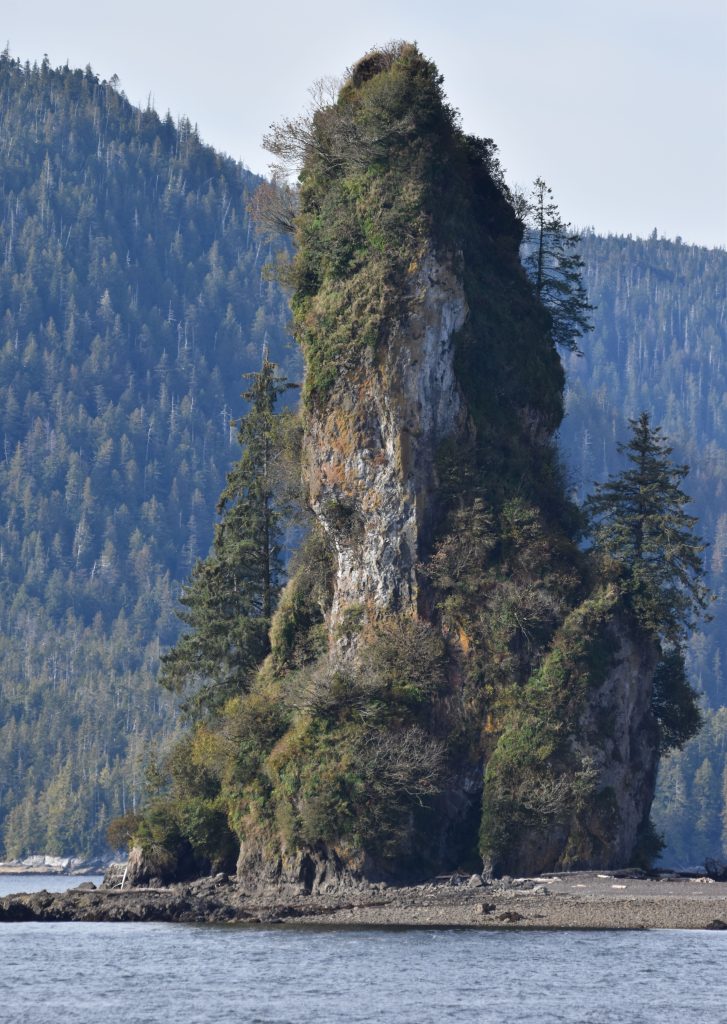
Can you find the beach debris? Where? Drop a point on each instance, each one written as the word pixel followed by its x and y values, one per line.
pixel 511 916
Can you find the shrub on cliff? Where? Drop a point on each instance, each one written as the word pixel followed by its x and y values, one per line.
pixel 537 782
pixel 359 755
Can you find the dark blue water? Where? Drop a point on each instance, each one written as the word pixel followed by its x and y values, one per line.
pixel 144 973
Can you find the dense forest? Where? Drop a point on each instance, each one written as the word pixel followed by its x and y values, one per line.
pixel 132 303
pixel 660 344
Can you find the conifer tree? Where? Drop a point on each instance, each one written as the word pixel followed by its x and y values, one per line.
pixel 641 525
pixel 642 529
pixel 231 595
pixel 555 267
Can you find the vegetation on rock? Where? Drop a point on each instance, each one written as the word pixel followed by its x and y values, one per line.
pixel 130 275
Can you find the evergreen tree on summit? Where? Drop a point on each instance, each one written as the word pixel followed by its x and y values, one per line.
pixel 232 593
pixel 555 268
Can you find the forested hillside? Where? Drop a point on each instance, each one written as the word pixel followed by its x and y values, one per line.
pixel 660 344
pixel 131 304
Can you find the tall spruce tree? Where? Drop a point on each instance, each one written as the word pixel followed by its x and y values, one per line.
pixel 642 530
pixel 555 267
pixel 232 593
pixel 641 526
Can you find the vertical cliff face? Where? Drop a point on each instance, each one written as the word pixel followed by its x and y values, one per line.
pixel 448 679
pixel 370 450
pixel 585 801
pixel 618 734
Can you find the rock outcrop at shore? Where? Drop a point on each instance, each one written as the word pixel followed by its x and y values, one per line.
pixel 459 633
pixel 451 678
pixel 613 749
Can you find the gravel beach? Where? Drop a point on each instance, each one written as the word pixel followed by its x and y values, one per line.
pixel 569 900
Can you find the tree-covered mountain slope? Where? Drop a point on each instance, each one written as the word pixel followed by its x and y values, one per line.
pixel 660 344
pixel 131 303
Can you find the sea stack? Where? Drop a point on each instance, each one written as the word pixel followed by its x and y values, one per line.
pixel 445 659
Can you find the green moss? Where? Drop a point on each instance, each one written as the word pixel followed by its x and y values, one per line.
pixel 351 621
pixel 535 779
pixel 298 635
pixel 393 176
pixel 314 785
pixel 348 756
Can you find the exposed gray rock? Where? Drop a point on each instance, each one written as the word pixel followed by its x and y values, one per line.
pixel 150 868
pixel 625 756
pixel 370 458
pixel 114 875
pixel 315 870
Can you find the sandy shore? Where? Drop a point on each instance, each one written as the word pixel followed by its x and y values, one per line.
pixel 572 900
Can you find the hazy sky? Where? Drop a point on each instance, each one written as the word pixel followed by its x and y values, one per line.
pixel 621 105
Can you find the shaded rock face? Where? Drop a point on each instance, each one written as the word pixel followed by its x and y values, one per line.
pixel 620 736
pixel 616 739
pixel 310 871
pixel 149 868
pixel 370 453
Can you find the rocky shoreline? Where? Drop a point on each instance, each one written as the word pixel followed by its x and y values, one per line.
pixel 46 864
pixel 13 869
pixel 570 900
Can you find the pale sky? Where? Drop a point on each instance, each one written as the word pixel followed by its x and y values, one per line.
pixel 621 105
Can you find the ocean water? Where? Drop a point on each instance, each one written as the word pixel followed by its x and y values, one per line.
pixel 154 973
pixel 52 883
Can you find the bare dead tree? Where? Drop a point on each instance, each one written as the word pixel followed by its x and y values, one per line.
pixel 273 208
pixel 294 139
pixel 407 762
